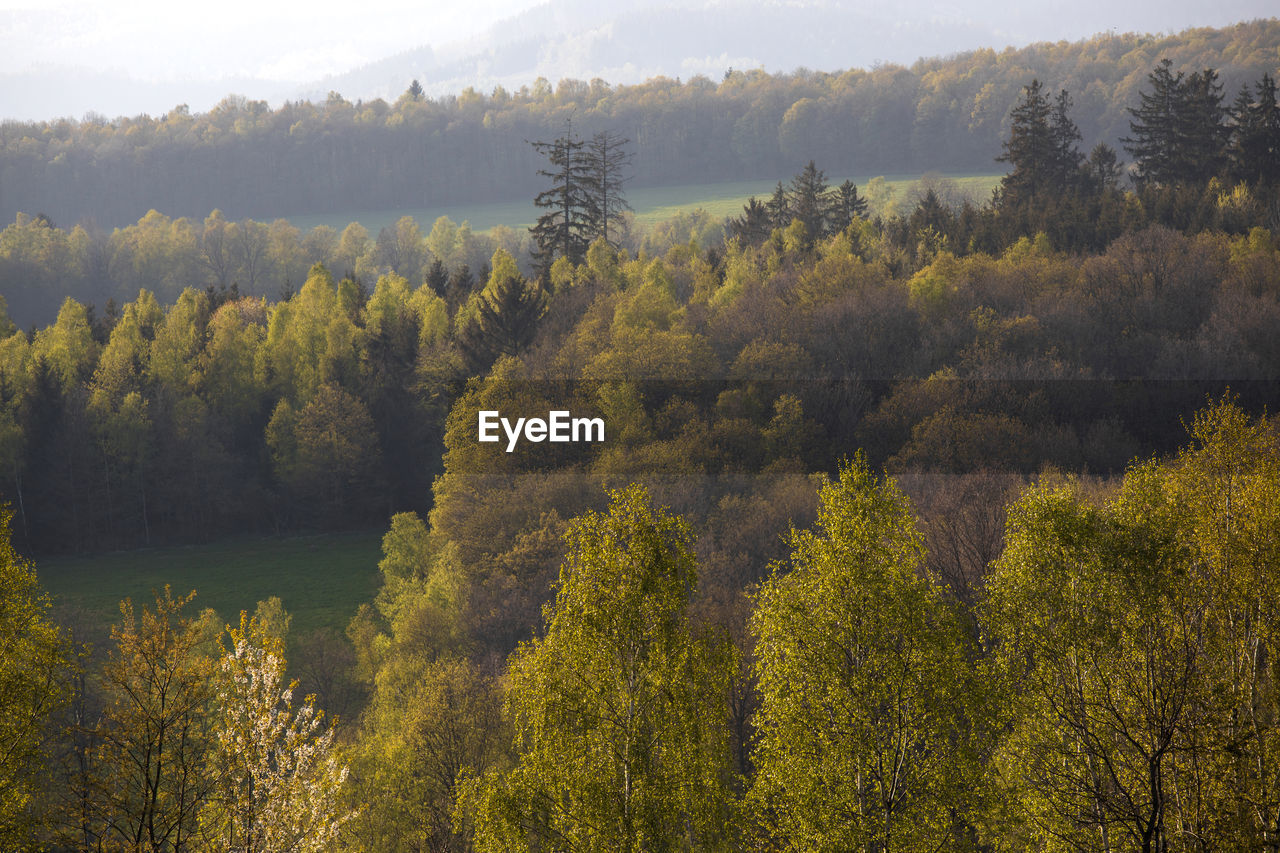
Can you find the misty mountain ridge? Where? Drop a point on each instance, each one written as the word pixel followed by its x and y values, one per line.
pixel 634 40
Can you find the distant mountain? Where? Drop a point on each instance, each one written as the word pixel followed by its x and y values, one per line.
pixel 623 42
pixel 634 40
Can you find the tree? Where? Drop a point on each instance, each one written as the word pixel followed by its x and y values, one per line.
pixel 1178 129
pixel 1223 493
pixel 327 455
pixel 249 242
pixel 620 708
pixel 1103 658
pixel 1041 148
pixel 779 207
pixel 606 157
pixel 151 774
pixel 566 228
pixel 438 278
pixel 33 661
pixel 1255 135
pixel 431 723
pixel 755 224
pixel 809 200
pixel 278 784
pixel 865 728
pixel 845 206
pixel 1103 169
pixel 506 315
pixel 1138 631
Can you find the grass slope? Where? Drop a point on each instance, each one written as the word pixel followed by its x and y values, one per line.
pixel 651 204
pixel 321 579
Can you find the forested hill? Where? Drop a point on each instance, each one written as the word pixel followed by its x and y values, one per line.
pixel 249 160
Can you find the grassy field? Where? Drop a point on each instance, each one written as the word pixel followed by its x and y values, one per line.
pixel 321 579
pixel 651 204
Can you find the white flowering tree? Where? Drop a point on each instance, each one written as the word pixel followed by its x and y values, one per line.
pixel 279 783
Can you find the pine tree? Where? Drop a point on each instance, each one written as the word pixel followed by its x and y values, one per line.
pixel 1178 130
pixel 1255 135
pixel 1041 148
pixel 438 278
pixel 606 157
pixel 506 316
pixel 1203 126
pixel 779 207
pixel 567 227
pixel 809 200
pixel 845 206
pixel 754 225
pixel 1065 136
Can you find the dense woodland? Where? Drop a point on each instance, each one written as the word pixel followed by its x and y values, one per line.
pixel 948 114
pixel 948 530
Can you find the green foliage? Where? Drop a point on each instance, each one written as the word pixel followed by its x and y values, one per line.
pixel 326 455
pixel 33 666
pixel 869 705
pixel 1132 631
pixel 620 707
pixel 505 316
pixel 431 723
pixel 149 779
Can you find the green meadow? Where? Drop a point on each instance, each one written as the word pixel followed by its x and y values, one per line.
pixel 651 204
pixel 321 579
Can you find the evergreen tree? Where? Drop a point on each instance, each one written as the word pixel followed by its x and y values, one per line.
pixel 779 207
pixel 1255 135
pixel 809 200
pixel 1065 136
pixel 1103 169
pixel 1178 130
pixel 461 283
pixel 606 157
pixel 506 315
pixel 845 206
pixel 1041 148
pixel 754 225
pixel 438 278
pixel 566 228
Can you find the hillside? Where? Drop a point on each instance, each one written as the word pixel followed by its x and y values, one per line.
pixel 247 159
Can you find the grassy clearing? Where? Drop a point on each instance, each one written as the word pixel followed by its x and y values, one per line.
pixel 321 579
pixel 651 204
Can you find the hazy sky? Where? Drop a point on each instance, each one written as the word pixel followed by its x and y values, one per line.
pixel 294 41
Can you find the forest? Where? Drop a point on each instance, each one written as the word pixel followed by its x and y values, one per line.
pixel 251 161
pixel 954 529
